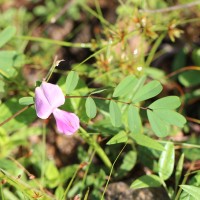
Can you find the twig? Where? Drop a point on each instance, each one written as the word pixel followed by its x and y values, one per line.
pixel 62 11
pixel 15 115
pixel 172 8
pixel 182 70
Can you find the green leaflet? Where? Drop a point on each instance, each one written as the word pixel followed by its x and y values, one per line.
pixel 166 161
pixel 146 141
pixel 192 190
pixel 115 114
pixel 134 120
pixel 125 86
pixel 171 117
pixel 139 84
pixel 148 91
pixel 91 109
pixel 26 101
pixel 159 126
pixel 71 81
pixel 121 137
pixel 146 181
pixel 170 102
pixel 6 35
pixel 129 161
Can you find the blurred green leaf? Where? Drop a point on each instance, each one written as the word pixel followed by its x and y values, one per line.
pixel 121 137
pixel 125 86
pixel 179 169
pixel 159 127
pixel 169 102
pixel 148 91
pixel 134 119
pixel 192 190
pixel 7 59
pixel 115 114
pixel 146 141
pixel 166 161
pixel 59 192
pixel 146 181
pixel 71 81
pixel 171 117
pixel 6 35
pixel 26 101
pixel 129 161
pixel 190 78
pixel 91 109
pixel 51 172
pixel 196 56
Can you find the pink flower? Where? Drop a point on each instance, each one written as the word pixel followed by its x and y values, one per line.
pixel 48 97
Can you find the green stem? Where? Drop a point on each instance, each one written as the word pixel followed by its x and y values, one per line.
pixel 153 50
pixel 111 170
pixel 70 184
pixel 43 153
pixel 57 42
pixel 96 147
pixel 184 181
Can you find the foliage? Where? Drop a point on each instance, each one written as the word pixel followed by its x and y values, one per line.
pixel 132 102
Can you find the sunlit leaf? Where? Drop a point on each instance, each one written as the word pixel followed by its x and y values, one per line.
pixel 146 181
pixel 192 190
pixel 170 102
pixel 146 141
pixel 121 137
pixel 134 120
pixel 171 117
pixel 160 128
pixel 71 81
pixel 148 91
pixel 115 114
pixel 6 35
pixel 26 101
pixel 91 109
pixel 166 161
pixel 125 86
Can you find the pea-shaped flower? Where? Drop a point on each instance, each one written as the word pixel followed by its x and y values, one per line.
pixel 48 97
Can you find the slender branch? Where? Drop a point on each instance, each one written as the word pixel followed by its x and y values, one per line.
pixel 193 120
pixel 109 99
pixel 182 70
pixel 172 8
pixel 15 115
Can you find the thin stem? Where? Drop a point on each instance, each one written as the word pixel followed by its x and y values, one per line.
pixel 57 42
pixel 43 153
pixel 111 170
pixel 172 8
pixel 153 50
pixel 15 115
pixel 70 183
pixel 48 76
pixel 182 70
pixel 109 99
pixel 184 181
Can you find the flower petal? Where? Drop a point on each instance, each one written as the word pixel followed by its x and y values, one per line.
pixel 53 94
pixel 42 106
pixel 67 123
